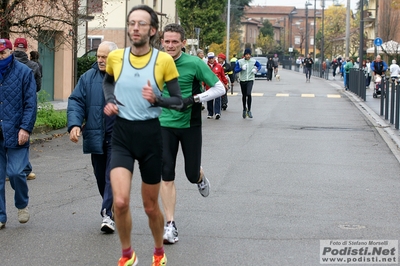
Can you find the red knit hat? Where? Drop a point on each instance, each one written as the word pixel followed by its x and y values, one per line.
pixel 222 56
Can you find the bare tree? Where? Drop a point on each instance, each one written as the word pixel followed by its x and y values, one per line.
pixel 43 20
pixel 390 16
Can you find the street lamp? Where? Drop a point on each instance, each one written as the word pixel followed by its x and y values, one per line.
pixel 293 12
pixel 322 35
pixel 315 28
pixel 228 26
pixel 361 48
pixel 347 28
pixel 307 4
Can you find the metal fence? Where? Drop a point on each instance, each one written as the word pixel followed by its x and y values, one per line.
pixel 357 81
pixel 388 90
pixel 390 100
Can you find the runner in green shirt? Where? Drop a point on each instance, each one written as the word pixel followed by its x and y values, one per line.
pixel 184 127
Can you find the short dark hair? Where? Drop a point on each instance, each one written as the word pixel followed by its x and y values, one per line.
pixel 173 27
pixel 34 55
pixel 153 15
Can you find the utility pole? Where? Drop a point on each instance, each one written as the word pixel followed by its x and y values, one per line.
pixel 307 37
pixel 347 29
pixel 228 11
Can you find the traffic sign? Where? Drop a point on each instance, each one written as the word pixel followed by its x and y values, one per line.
pixel 378 41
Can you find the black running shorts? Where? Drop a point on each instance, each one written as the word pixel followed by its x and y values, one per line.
pixel 141 141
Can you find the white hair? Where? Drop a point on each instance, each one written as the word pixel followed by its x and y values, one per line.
pixel 111 45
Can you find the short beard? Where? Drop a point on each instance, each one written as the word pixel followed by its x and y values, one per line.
pixel 142 42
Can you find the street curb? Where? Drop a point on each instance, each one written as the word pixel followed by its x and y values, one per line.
pixel 37 138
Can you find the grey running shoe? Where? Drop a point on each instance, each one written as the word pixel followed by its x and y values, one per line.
pixel 244 113
pixel 204 185
pixel 249 114
pixel 108 225
pixel 23 215
pixel 170 233
pixel 2 225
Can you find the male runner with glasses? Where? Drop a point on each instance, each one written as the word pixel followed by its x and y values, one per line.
pixel 133 85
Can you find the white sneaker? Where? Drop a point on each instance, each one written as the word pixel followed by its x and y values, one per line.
pixel 23 215
pixel 170 233
pixel 204 185
pixel 108 225
pixel 2 225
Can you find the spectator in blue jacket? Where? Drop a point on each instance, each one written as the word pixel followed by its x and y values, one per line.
pixel 17 118
pixel 378 66
pixel 85 114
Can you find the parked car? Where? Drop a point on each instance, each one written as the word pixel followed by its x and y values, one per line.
pixel 263 71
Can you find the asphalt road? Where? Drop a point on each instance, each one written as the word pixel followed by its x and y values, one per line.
pixel 311 165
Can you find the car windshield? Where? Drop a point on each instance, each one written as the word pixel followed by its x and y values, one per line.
pixel 261 60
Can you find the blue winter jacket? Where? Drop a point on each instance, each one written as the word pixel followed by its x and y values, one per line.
pixel 17 102
pixel 86 110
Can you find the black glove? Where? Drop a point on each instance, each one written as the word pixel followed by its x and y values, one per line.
pixel 187 102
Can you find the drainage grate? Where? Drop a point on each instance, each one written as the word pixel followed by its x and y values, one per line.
pixel 333 129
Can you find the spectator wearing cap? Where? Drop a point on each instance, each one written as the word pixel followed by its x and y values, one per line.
pixel 17 118
pixel 247 67
pixel 229 76
pixel 20 53
pixel 20 49
pixel 214 106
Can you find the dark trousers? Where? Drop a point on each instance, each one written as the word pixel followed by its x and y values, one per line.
pixel 101 168
pixel 190 140
pixel 269 73
pixel 308 72
pixel 214 106
pixel 246 87
pixel 368 80
pixel 347 80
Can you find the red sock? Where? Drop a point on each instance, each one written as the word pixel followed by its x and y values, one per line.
pixel 127 253
pixel 159 251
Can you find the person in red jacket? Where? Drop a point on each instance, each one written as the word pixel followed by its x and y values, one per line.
pixel 214 106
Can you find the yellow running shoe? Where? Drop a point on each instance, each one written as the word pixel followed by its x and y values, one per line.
pixel 159 260
pixel 129 262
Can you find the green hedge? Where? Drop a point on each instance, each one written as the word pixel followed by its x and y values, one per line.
pixel 84 64
pixel 47 116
